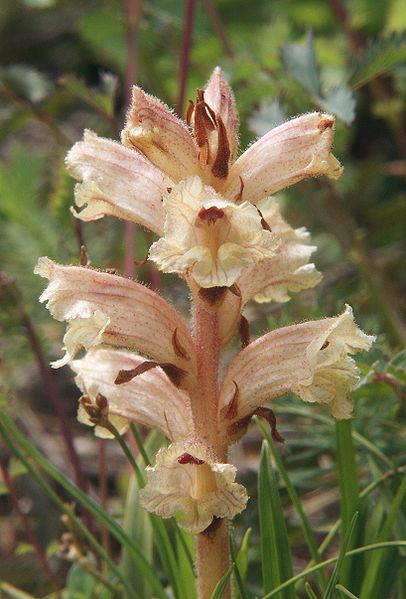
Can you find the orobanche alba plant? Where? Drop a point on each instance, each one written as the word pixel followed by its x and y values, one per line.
pixel 222 232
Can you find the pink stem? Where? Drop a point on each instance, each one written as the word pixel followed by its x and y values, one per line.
pixel 212 554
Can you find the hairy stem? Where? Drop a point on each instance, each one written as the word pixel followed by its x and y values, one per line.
pixel 212 553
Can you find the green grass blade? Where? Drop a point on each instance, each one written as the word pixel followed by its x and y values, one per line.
pixel 137 526
pixel 240 591
pixel 25 448
pixel 275 551
pixel 184 548
pixel 295 499
pixel 345 592
pixel 332 560
pixel 63 507
pixel 374 571
pixel 310 593
pixel 13 592
pixel 329 594
pixel 242 555
pixel 221 585
pixel 357 437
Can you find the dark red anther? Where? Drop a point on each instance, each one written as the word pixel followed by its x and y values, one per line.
pixel 325 345
pixel 187 458
pixel 211 214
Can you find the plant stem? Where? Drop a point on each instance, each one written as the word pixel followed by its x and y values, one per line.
pixel 27 526
pixel 132 10
pixel 212 555
pixel 190 6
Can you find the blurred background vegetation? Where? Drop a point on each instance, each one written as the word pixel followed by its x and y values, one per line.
pixel 66 66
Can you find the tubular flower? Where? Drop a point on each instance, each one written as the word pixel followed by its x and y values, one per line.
pixel 209 237
pixel 218 229
pixel 310 359
pixel 186 480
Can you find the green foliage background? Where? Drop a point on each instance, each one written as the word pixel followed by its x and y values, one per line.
pixel 63 69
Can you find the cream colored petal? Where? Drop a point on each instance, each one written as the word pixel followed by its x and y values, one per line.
pixel 293 151
pixel 208 237
pixel 149 399
pixel 116 181
pixel 219 96
pixel 288 271
pixel 138 318
pixel 155 131
pixel 197 492
pixel 310 359
pixel 82 333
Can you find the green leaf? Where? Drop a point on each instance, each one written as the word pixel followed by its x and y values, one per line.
pixel 378 58
pixel 242 556
pixel 310 593
pixel 376 564
pixel 294 497
pixel 26 82
pixel 21 447
pixel 101 102
pixel 103 30
pixel 340 101
pixel 13 592
pixel 345 591
pixel 329 594
pixel 221 585
pixel 332 560
pixel 24 548
pixel 275 552
pixel 348 481
pixel 138 527
pixel 266 117
pixel 80 581
pixel 299 60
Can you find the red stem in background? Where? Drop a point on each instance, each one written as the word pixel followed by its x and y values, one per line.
pixel 27 526
pixel 52 391
pixel 50 386
pixel 190 6
pixel 132 10
pixel 215 18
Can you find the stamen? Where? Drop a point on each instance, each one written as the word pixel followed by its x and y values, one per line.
pixel 214 296
pixel 189 112
pixel 211 214
pixel 84 259
pixel 124 376
pixel 230 411
pixel 325 124
pixel 325 345
pixel 239 195
pixel 269 416
pixel 178 347
pixel 213 527
pixel 244 331
pixel 187 458
pixel 220 165
pixel 264 224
